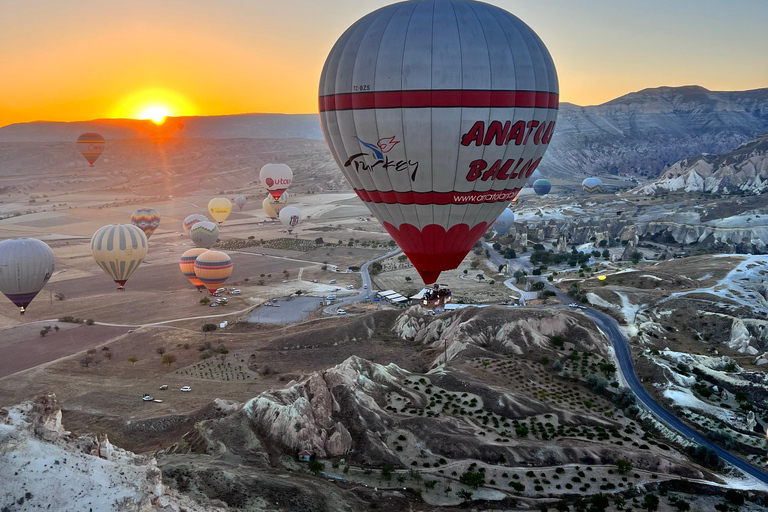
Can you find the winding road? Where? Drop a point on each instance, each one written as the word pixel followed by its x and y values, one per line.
pixel 366 291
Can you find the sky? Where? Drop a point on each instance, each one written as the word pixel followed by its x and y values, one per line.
pixel 87 59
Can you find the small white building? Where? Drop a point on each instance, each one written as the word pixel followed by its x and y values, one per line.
pixel 304 455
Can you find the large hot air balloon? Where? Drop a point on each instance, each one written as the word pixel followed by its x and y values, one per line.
pixel 290 216
pixel 504 222
pixel 187 266
pixel 204 234
pixel 91 145
pixel 219 208
pixel 212 268
pixel 542 187
pixel 437 112
pixel 146 219
pixel 26 264
pixel 272 207
pixel 240 202
pixel 535 176
pixel 276 178
pixel 193 219
pixel 592 185
pixel 119 249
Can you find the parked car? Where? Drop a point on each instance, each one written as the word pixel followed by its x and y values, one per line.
pixel 214 304
pixel 341 312
pixel 219 290
pixel 186 388
pixel 285 280
pixel 350 287
pixel 163 387
pixel 147 398
pixel 235 292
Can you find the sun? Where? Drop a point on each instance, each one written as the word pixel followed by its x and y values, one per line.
pixel 157 113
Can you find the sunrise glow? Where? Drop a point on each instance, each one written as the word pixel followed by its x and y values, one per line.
pixel 156 113
pixel 155 104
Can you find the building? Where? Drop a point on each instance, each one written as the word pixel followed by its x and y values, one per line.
pixel 393 297
pixel 304 455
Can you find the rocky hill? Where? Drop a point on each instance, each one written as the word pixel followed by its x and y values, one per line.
pixel 743 170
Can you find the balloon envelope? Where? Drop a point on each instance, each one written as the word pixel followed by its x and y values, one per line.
pixel 91 145
pixel 276 178
pixel 290 216
pixel 26 264
pixel 146 219
pixel 504 222
pixel 535 176
pixel 212 268
pixel 592 185
pixel 272 207
pixel 204 234
pixel 220 208
pixel 542 187
pixel 240 202
pixel 119 249
pixel 437 112
pixel 192 220
pixel 187 266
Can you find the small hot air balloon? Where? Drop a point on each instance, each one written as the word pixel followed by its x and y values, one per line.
pixel 601 278
pixel 91 145
pixel 272 207
pixel 212 268
pixel 437 112
pixel 204 234
pixel 192 220
pixel 592 185
pixel 240 202
pixel 542 187
pixel 119 249
pixel 290 216
pixel 146 219
pixel 220 208
pixel 26 264
pixel 504 222
pixel 535 176
pixel 277 178
pixel 187 266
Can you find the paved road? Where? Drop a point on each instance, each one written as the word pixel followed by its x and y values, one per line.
pixel 366 291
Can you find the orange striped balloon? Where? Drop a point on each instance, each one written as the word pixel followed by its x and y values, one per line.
pixel 91 145
pixel 212 268
pixel 187 265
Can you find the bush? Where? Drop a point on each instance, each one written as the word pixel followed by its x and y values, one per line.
pixel 160 350
pixel 168 359
pixel 89 321
pixel 315 466
pixel 472 479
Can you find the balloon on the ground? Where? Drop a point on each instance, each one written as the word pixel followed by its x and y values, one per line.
pixel 601 278
pixel 187 266
pixel 437 112
pixel 542 187
pixel 119 249
pixel 240 202
pixel 535 176
pixel 146 219
pixel 91 145
pixel 26 264
pixel 219 208
pixel 273 207
pixel 290 216
pixel 212 268
pixel 592 185
pixel 276 178
pixel 204 234
pixel 193 219
pixel 504 222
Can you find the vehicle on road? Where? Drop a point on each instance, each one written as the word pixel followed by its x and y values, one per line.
pixel 219 290
pixel 332 281
pixel 236 292
pixel 365 287
pixel 214 304
pixel 341 312
pixel 350 287
pixel 163 387
pixel 573 305
pixel 186 388
pixel 330 297
pixel 147 398
pixel 285 280
pixel 130 331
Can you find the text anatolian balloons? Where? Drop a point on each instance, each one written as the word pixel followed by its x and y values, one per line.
pixel 192 220
pixel 146 219
pixel 204 234
pixel 276 178
pixel 26 264
pixel 119 249
pixel 437 112
pixel 212 268
pixel 240 202
pixel 592 185
pixel 220 208
pixel 290 216
pixel 187 266
pixel 91 145
pixel 504 222
pixel 272 207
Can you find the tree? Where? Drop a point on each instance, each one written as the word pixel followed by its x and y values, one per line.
pixel 376 268
pixel 299 292
pixel 407 279
pixel 45 330
pixel 324 267
pixel 319 241
pixel 168 359
pixel 90 321
pixel 464 495
pixel 472 479
pixel 599 502
pixel 734 497
pixel 59 296
pixel 606 254
pixel 636 256
pixel 132 360
pixel 607 369
pixel 206 328
pixel 650 503
pixel 204 301
pixel 624 466
pixel 519 276
pixel 87 361
pixel 315 466
pixel 56 328
pixel 160 350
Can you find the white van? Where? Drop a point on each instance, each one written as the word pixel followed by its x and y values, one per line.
pixel 330 297
pixel 332 281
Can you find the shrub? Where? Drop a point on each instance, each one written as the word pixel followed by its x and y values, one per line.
pixel 472 479
pixel 160 350
pixel 89 321
pixel 168 359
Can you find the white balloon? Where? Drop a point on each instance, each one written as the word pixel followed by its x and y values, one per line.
pixel 276 178
pixel 290 216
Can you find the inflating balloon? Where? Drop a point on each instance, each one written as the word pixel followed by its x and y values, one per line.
pixel 187 266
pixel 192 220
pixel 119 249
pixel 542 187
pixel 204 234
pixel 146 219
pixel 212 268
pixel 26 264
pixel 240 202
pixel 272 207
pixel 220 208
pixel 437 112
pixel 91 145
pixel 290 216
pixel 592 185
pixel 276 178
pixel 504 222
